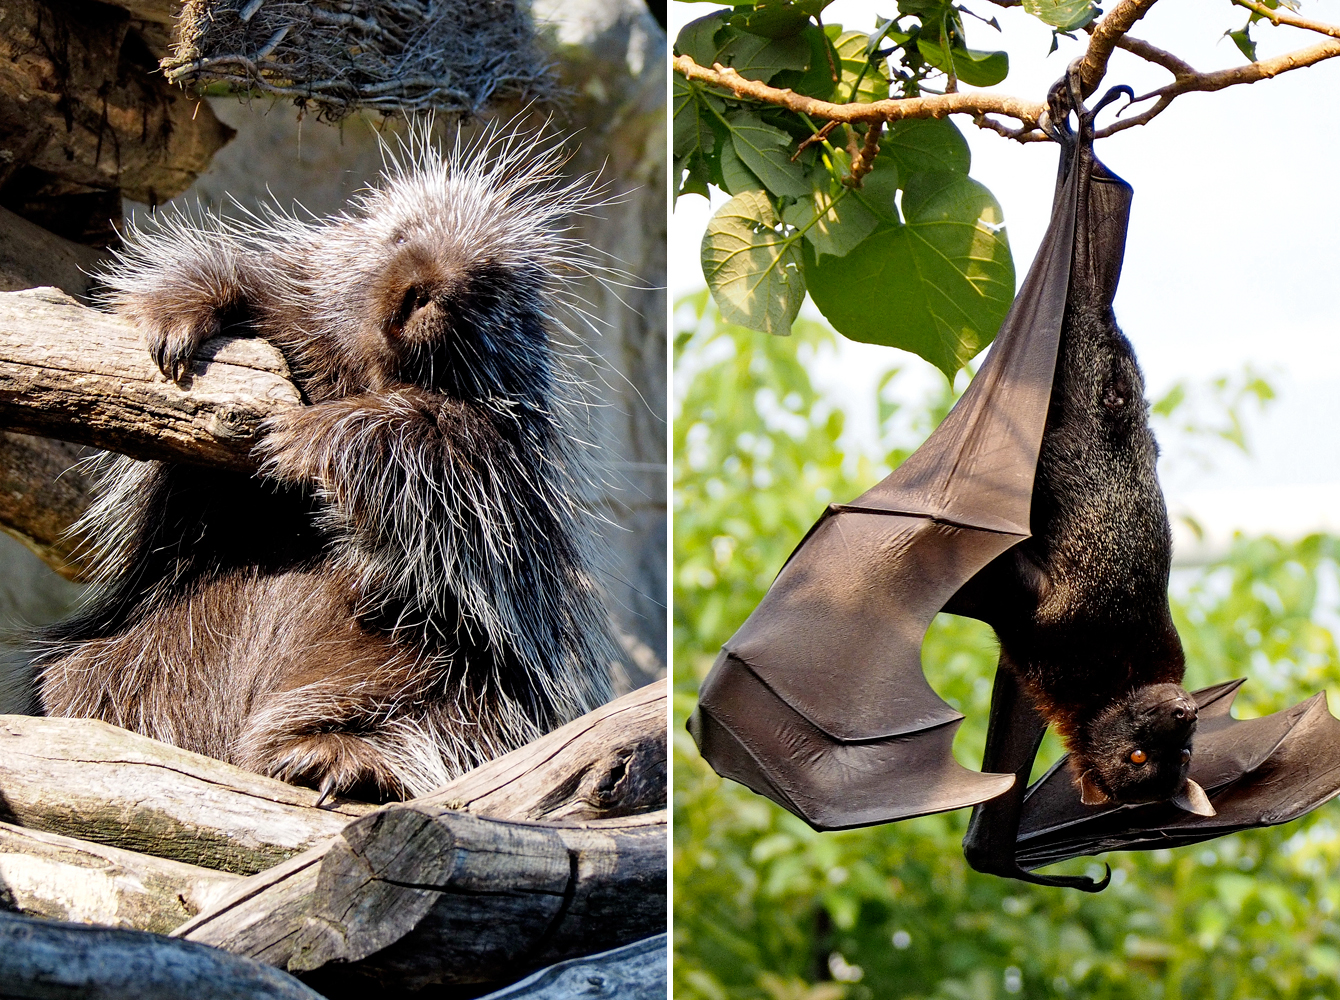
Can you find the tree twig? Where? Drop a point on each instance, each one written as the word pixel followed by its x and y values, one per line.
pixel 1157 56
pixel 1264 69
pixel 1285 16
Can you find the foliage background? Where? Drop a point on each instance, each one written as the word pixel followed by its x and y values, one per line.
pixel 766 908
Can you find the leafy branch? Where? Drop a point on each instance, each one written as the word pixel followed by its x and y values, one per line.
pixel 849 181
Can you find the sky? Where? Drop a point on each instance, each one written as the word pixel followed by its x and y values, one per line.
pixel 1233 255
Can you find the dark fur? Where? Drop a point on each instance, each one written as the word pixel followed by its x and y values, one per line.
pixel 405 592
pixel 1090 633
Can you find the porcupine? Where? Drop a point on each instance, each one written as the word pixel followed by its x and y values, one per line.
pixel 405 589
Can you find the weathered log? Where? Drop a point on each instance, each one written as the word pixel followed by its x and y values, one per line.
pixel 41 493
pixel 634 972
pixel 80 375
pixel 60 878
pixel 83 778
pixel 44 960
pixel 414 896
pixel 609 763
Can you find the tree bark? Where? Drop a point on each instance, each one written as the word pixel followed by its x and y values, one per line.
pixel 416 896
pixel 80 375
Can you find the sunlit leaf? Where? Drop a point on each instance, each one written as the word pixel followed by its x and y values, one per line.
pixel 752 265
pixel 1068 15
pixel 938 286
pixel 874 80
pixel 767 151
pixel 833 221
pixel 970 66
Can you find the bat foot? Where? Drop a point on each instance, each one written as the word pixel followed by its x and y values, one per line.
pixel 1002 868
pixel 1081 882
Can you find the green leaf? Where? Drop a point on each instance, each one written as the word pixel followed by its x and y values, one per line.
pixel 735 176
pixel 878 192
pixel 1243 40
pixel 938 286
pixel 693 107
pixel 759 58
pixel 766 151
pixel 697 39
pixel 817 80
pixel 975 68
pixel 919 145
pixel 1067 15
pixel 690 176
pixel 753 269
pixel 833 220
pixel 851 48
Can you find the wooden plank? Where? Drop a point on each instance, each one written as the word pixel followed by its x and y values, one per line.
pixel 87 779
pixel 80 375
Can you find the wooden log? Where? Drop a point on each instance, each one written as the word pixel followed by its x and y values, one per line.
pixel 410 896
pixel 634 972
pixel 61 878
pixel 80 375
pixel 87 779
pixel 608 763
pixel 42 960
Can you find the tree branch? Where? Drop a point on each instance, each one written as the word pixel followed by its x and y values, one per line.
pixel 1107 35
pixel 1155 55
pixel 1264 69
pixel 1285 16
pixel 892 110
pixel 80 375
pixel 1107 32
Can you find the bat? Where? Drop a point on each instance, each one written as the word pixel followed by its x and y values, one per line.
pixel 819 701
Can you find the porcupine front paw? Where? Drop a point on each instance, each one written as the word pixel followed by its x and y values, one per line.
pixel 334 764
pixel 173 340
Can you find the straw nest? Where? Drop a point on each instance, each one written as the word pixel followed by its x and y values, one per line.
pixel 451 56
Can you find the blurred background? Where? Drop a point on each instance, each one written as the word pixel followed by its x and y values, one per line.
pixel 1228 295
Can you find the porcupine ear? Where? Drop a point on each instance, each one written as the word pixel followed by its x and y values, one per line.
pixel 1193 799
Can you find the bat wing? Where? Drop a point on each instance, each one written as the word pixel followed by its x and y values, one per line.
pixel 819 701
pixel 1257 772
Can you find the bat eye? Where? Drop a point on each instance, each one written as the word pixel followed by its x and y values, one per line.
pixel 1138 757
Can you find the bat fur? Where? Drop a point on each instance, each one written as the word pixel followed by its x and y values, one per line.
pixel 1089 632
pixel 405 590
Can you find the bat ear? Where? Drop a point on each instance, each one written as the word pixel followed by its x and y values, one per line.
pixel 1193 799
pixel 1089 792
